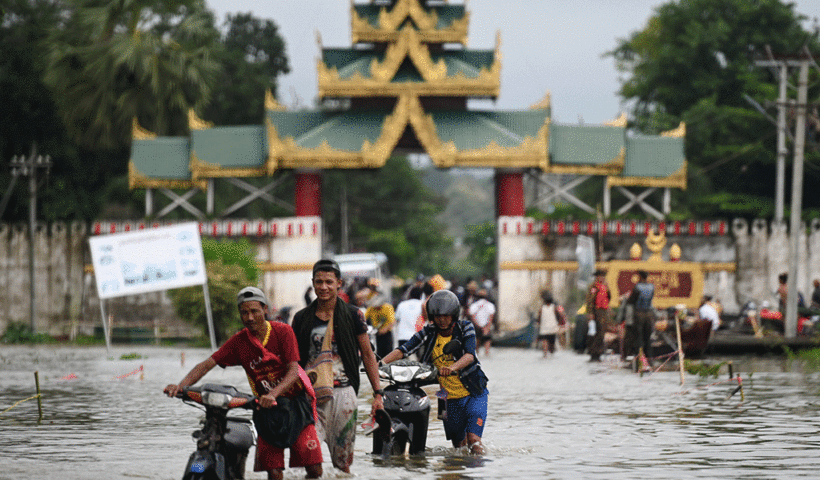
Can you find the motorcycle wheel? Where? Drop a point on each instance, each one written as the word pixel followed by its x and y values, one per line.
pixel 398 443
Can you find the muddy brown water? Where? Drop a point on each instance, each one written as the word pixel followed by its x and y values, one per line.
pixel 560 418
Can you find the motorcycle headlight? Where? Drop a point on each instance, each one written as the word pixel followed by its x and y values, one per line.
pixel 424 375
pixel 404 374
pixel 216 399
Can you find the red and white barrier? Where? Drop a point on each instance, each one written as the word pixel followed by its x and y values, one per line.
pixel 280 227
pixel 633 228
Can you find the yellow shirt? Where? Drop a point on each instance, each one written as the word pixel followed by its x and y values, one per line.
pixel 451 383
pixel 380 317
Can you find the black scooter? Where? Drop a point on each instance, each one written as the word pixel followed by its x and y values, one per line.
pixel 403 423
pixel 223 442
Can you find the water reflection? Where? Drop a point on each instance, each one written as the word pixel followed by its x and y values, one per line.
pixel 557 418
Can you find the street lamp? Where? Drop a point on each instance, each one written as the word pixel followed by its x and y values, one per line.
pixel 27 167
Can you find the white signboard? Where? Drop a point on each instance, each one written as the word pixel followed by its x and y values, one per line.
pixel 147 260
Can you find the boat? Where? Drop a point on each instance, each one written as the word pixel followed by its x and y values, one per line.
pixel 521 337
pixel 694 332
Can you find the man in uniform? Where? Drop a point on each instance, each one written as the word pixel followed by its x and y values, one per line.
pixel 597 302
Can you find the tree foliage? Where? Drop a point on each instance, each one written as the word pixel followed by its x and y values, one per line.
pixel 481 241
pixel 252 56
pixel 74 73
pixel 389 210
pixel 113 61
pixel 694 63
pixel 231 266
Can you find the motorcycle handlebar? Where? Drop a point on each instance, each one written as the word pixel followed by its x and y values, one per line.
pixel 195 394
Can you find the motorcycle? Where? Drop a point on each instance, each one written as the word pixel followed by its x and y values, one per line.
pixel 223 442
pixel 402 425
pixel 759 320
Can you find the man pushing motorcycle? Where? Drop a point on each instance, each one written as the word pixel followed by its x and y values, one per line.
pixel 270 356
pixel 460 374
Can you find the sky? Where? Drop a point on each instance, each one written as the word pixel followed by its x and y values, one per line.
pixel 554 46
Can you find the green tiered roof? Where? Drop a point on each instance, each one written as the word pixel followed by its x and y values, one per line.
pixel 435 23
pixel 407 92
pixel 445 15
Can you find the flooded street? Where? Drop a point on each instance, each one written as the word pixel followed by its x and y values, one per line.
pixel 561 418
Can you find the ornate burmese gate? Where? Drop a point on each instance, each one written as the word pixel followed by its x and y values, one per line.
pixel 404 89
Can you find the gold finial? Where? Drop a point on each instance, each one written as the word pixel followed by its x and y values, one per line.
pixel 544 103
pixel 655 241
pixel 196 123
pixel 271 103
pixel 635 251
pixel 674 252
pixel 678 132
pixel 139 133
pixel 618 122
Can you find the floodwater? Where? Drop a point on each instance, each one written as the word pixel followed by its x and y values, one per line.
pixel 559 418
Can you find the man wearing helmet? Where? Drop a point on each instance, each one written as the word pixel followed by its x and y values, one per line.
pixel 460 373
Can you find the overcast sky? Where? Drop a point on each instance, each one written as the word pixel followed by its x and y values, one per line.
pixel 546 45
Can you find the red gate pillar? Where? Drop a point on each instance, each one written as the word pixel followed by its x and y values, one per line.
pixel 509 191
pixel 308 194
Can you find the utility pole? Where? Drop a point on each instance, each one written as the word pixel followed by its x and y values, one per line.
pixel 797 198
pixel 782 100
pixel 781 145
pixel 27 167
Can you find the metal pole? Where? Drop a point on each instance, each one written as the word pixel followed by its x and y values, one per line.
pixel 210 315
pixel 797 198
pixel 32 218
pixel 781 145
pixel 209 206
pixel 105 327
pixel 149 202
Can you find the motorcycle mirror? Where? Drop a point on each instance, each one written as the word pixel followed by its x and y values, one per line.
pixel 451 347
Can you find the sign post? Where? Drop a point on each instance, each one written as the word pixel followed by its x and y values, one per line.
pixel 145 261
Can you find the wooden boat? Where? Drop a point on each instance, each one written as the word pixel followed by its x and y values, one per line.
pixel 694 332
pixel 522 337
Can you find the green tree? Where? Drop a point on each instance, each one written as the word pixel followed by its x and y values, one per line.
pixel 116 60
pixel 481 239
pixel 29 115
pixel 231 266
pixel 389 210
pixel 252 57
pixel 694 62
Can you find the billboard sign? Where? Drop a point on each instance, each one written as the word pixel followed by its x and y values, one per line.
pixel 148 260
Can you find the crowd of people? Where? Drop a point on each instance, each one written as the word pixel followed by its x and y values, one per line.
pixel 314 361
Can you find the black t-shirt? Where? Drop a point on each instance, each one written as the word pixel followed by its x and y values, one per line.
pixel 317 336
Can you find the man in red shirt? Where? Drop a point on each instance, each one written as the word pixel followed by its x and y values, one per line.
pixel 269 354
pixel 597 303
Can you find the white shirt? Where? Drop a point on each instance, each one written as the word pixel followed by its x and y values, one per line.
pixel 708 312
pixel 407 312
pixel 549 320
pixel 481 310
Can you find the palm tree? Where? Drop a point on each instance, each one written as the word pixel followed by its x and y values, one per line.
pixel 116 60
